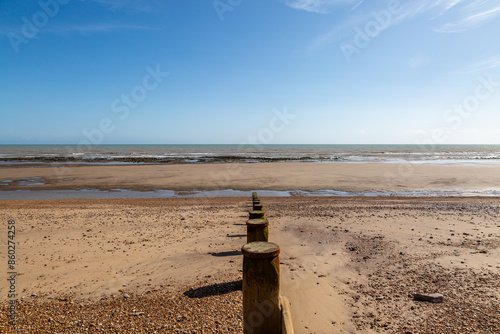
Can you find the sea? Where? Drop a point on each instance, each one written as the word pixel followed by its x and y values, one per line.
pixel 39 155
pixel 172 154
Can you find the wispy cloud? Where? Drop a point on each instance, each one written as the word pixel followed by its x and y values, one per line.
pixel 423 7
pixel 336 34
pixel 451 3
pixel 357 5
pixel 344 29
pixel 457 15
pixel 483 65
pixel 471 15
pixel 316 6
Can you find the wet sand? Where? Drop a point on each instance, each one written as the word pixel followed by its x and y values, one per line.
pixel 173 265
pixel 285 176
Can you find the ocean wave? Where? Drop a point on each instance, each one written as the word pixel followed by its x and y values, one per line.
pixel 171 154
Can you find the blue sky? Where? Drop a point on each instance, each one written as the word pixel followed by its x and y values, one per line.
pixel 207 72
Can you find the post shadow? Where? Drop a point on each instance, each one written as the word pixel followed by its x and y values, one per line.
pixel 214 289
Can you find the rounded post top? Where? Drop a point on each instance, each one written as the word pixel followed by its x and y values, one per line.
pixel 260 250
pixel 255 214
pixel 258 222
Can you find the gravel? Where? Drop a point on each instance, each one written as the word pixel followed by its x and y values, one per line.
pixel 214 308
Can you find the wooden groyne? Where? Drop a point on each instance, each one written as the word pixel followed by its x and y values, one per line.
pixel 265 311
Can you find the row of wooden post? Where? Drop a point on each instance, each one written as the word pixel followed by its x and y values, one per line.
pixel 261 276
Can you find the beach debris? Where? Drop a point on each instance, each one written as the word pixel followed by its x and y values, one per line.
pixel 432 298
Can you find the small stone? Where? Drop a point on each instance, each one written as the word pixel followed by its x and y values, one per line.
pixel 137 313
pixel 432 298
pixel 126 296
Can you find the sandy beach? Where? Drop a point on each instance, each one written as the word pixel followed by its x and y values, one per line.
pixel 136 134
pixel 173 265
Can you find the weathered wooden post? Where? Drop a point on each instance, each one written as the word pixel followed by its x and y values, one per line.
pixel 261 288
pixel 255 199
pixel 257 214
pixel 257 230
pixel 257 206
